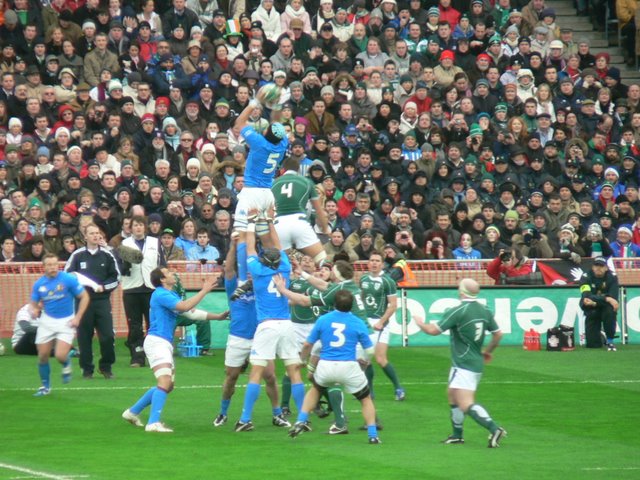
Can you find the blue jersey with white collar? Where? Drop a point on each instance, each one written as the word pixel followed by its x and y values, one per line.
pixel 263 159
pixel 270 304
pixel 57 294
pixel 244 319
pixel 340 333
pixel 163 314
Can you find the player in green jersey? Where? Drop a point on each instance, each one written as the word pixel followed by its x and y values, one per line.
pixel 467 324
pixel 381 301
pixel 302 317
pixel 324 296
pixel 292 193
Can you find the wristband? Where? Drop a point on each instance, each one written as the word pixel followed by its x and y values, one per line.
pixel 310 368
pixel 255 103
pixel 305 275
pixel 251 227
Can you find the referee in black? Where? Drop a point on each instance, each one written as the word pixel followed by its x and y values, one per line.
pixel 101 269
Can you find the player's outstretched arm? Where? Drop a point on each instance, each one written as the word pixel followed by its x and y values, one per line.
pixel 306 350
pixel 294 298
pixel 315 282
pixel 243 118
pixel 230 260
pixel 428 328
pixel 190 303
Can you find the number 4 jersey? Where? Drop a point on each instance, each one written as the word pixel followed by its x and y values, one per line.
pixel 292 192
pixel 468 323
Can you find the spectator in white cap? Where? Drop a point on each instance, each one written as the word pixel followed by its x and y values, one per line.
pixel 623 246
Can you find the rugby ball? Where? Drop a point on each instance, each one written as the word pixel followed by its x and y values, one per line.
pixel 270 94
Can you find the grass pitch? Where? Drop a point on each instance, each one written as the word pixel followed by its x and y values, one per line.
pixel 568 415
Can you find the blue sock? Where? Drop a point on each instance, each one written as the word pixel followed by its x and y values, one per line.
pixel 224 406
pixel 277 411
pixel 303 416
pixel 297 392
pixel 250 397
pixel 158 400
pixel 242 261
pixel 45 373
pixel 372 430
pixel 143 402
pixel 609 340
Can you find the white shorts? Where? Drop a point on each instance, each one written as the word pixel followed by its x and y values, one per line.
pixel 302 331
pixel 248 199
pixel 50 329
pixel 295 230
pixel 237 351
pixel 380 336
pixel 347 374
pixel 274 338
pixel 464 379
pixel 158 351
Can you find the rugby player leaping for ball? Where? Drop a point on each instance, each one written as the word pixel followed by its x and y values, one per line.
pixel 266 151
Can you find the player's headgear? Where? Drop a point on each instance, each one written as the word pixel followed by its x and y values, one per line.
pixel 275 133
pixel 270 257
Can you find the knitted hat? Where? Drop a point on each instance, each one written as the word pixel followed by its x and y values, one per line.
pixel 511 215
pixel 475 130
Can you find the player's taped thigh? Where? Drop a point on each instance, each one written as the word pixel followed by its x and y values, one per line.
pixel 258 362
pixel 362 394
pixel 262 228
pixel 195 314
pixel 291 361
pixel 164 371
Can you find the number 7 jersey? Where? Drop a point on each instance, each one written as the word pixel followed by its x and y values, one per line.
pixel 264 157
pixel 468 323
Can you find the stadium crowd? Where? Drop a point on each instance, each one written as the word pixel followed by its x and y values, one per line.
pixel 441 129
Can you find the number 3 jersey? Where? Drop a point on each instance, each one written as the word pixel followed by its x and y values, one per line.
pixel 264 157
pixel 340 333
pixel 468 323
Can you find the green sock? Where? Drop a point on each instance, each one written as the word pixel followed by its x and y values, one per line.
pixel 457 419
pixel 286 391
pixel 393 376
pixel 369 374
pixel 336 401
pixel 480 415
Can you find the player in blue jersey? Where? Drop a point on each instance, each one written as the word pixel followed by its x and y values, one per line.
pixel 54 295
pixel 266 151
pixel 340 332
pixel 166 304
pixel 242 328
pixel 275 335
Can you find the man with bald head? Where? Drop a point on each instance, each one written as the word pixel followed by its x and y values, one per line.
pixel 468 323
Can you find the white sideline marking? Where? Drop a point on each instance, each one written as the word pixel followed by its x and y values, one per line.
pixel 37 473
pixel 606 469
pixel 202 387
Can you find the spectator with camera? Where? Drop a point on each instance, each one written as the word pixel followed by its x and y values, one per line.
pixel 511 267
pixel 594 243
pixel 436 247
pixel 532 243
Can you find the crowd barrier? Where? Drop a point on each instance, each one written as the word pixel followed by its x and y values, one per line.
pixel 517 308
